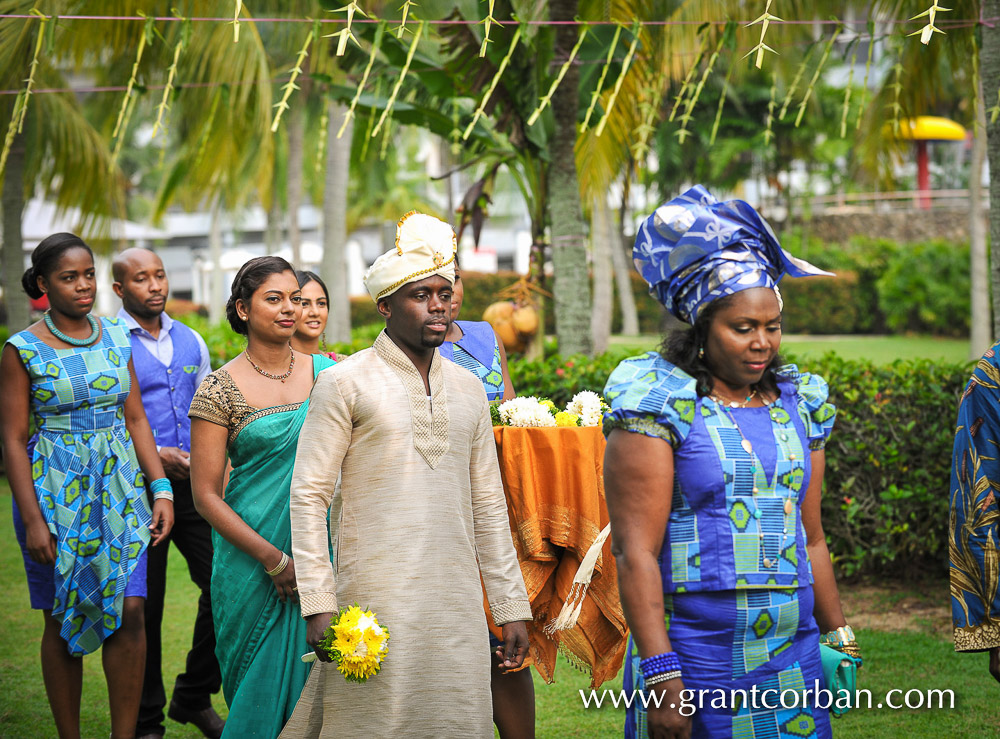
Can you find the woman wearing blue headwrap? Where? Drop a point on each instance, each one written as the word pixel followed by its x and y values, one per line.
pixel 713 475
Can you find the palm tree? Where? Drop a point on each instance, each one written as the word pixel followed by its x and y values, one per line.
pixel 942 61
pixel 58 152
pixel 223 147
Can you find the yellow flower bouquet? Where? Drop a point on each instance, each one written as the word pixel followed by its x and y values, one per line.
pixel 356 642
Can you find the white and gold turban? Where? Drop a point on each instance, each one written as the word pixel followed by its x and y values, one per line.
pixel 425 246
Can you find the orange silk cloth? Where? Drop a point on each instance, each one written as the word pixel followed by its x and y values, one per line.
pixel 553 479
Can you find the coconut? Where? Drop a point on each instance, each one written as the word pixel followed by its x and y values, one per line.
pixel 509 336
pixel 499 312
pixel 525 320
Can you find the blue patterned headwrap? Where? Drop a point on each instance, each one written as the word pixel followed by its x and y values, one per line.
pixel 694 249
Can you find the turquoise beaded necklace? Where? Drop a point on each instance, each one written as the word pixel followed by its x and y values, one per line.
pixel 94 332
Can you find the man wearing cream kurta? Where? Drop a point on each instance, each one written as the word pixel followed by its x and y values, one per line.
pixel 419 514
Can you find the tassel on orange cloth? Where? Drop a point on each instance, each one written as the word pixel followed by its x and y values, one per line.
pixel 553 480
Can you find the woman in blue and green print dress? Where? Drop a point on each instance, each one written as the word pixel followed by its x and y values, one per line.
pixel 713 475
pixel 81 513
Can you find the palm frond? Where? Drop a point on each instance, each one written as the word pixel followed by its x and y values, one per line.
pixel 73 163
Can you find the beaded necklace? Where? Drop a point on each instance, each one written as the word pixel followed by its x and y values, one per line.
pixel 754 460
pixel 284 376
pixel 95 331
pixel 735 403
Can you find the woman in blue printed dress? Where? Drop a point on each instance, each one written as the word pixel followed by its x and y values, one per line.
pixel 80 508
pixel 713 475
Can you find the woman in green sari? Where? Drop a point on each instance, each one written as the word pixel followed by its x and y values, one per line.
pixel 251 410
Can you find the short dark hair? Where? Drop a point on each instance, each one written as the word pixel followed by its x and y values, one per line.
pixel 45 260
pixel 251 276
pixel 682 348
pixel 304 277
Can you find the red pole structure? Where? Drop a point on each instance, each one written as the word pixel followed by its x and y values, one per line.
pixel 923 176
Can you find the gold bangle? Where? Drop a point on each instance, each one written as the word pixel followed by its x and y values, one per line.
pixel 838 637
pixel 280 567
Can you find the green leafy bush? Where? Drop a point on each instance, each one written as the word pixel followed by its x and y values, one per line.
pixel 885 508
pixel 826 305
pixel 925 289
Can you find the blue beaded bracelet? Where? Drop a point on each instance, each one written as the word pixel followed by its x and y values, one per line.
pixel 659 663
pixel 161 489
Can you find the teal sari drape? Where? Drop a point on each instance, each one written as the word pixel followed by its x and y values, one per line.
pixel 259 639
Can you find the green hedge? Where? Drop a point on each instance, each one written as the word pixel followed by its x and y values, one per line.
pixel 915 287
pixel 889 464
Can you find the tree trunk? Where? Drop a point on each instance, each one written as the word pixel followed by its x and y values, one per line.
pixel 536 274
pixel 989 65
pixel 623 272
pixel 338 164
pixel 979 334
pixel 18 315
pixel 296 136
pixel 217 300
pixel 272 229
pixel 603 241
pixel 571 283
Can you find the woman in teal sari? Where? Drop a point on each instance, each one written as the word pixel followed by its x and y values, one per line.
pixel 251 410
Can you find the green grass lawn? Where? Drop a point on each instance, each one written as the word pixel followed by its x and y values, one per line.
pixel 893 660
pixel 877 349
pixel 24 709
pixel 921 660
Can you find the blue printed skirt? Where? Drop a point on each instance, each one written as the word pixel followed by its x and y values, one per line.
pixel 734 640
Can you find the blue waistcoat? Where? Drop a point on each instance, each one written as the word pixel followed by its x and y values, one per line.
pixel 167 390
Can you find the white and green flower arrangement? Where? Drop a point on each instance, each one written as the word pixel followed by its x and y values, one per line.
pixel 585 409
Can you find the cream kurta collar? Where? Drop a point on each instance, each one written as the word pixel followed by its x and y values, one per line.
pixel 430 430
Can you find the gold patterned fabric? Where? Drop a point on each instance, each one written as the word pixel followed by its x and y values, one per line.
pixel 220 401
pixel 425 246
pixel 418 515
pixel 430 430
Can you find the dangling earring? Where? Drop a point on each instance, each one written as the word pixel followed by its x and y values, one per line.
pixel 322 341
pixel 701 353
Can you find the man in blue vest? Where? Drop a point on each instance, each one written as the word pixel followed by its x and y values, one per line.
pixel 170 362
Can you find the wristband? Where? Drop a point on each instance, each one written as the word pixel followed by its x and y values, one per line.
pixel 659 663
pixel 661 678
pixel 162 489
pixel 838 637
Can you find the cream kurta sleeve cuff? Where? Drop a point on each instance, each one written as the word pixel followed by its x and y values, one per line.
pixel 511 610
pixel 313 603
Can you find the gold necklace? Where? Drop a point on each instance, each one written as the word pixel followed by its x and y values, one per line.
pixel 284 376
